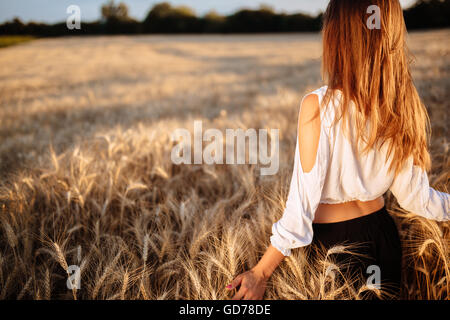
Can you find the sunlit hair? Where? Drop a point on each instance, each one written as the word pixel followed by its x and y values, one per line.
pixel 370 67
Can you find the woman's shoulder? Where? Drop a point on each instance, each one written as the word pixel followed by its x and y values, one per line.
pixel 320 92
pixel 327 109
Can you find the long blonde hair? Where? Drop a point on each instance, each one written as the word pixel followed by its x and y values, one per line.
pixel 371 68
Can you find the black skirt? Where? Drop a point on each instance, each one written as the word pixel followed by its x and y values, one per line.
pixel 378 250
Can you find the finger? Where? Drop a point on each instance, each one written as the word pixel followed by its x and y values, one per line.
pixel 248 297
pixel 235 282
pixel 239 294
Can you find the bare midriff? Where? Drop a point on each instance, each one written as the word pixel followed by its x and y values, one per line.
pixel 329 213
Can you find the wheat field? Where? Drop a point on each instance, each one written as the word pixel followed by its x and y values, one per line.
pixel 87 178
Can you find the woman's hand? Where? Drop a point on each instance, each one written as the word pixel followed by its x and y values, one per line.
pixel 253 282
pixel 252 285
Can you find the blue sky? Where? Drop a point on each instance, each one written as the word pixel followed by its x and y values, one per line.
pixel 55 10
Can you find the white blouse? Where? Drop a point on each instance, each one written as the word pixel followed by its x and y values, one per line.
pixel 338 175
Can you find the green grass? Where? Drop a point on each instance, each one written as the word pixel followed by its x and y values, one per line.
pixel 6 41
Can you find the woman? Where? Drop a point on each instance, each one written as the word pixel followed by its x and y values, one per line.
pixel 364 133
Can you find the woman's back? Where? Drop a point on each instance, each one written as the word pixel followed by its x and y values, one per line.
pixel 354 183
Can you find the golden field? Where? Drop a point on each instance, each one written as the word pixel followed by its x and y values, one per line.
pixel 87 178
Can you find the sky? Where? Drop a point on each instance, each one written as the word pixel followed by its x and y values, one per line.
pixel 51 11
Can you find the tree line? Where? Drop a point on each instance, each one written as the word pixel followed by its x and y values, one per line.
pixel 164 18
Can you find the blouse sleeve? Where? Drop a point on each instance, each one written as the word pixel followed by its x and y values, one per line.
pixel 294 229
pixel 412 190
